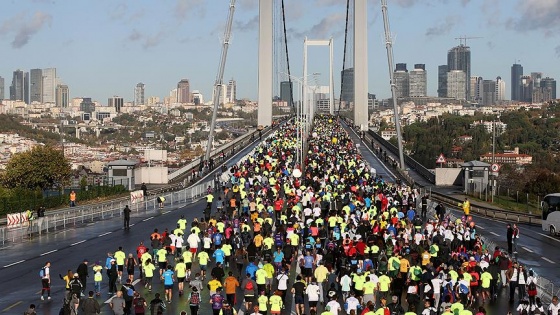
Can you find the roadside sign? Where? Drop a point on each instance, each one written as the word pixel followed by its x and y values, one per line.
pixel 495 168
pixel 441 159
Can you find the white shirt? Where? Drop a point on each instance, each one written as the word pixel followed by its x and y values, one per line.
pixel 282 281
pixel 335 306
pixel 193 240
pixel 312 292
pixel 554 309
pixel 207 242
pixel 352 304
pixel 436 284
pixel 345 283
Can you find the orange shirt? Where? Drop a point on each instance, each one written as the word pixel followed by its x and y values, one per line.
pixel 231 284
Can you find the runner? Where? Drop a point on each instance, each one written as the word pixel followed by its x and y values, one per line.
pixel 45 274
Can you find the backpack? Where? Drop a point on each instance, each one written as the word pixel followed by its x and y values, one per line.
pixel 524 311
pixel 417 272
pixel 532 286
pixel 387 311
pixel 195 298
pixel 396 264
pixel 42 272
pixel 432 249
pixel 139 302
pixel 129 290
pixel 249 286
pixel 433 311
pixel 463 288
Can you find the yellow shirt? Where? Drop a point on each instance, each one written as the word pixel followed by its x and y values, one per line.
pixel 181 270
pixel 263 302
pixel 275 302
pixel 384 283
pixel 203 258
pixel 369 287
pixel 321 273
pixel 260 276
pixel 404 265
pixel 120 256
pixel 214 284
pixel 187 256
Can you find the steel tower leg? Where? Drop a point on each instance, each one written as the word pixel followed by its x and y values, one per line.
pixel 265 62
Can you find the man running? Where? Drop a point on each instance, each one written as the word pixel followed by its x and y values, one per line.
pixel 46 281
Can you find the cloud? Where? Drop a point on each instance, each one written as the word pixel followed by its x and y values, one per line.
pixel 24 27
pixel 557 50
pixel 119 11
pixel 154 40
pixel 246 5
pixel 186 8
pixel 537 15
pixel 247 25
pixel 332 25
pixel 490 44
pixel 444 27
pixel 465 2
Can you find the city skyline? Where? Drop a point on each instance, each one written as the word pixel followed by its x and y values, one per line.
pixel 43 34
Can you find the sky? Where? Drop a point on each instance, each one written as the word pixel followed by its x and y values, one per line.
pixel 103 48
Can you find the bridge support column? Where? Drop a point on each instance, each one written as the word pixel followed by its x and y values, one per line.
pixel 265 62
pixel 361 116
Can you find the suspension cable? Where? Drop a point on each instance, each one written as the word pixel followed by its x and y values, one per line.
pixel 343 57
pixel 287 56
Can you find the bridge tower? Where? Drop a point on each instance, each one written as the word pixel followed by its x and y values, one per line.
pixel 265 62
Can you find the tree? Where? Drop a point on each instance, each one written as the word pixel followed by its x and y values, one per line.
pixel 41 167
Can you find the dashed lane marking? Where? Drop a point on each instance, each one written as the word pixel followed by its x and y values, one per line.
pixel 15 263
pixel 166 212
pixel 550 261
pixel 11 306
pixel 49 252
pixel 80 242
pixel 146 219
pixel 550 237
pixel 480 227
pixel 494 233
pixel 525 248
pixel 104 234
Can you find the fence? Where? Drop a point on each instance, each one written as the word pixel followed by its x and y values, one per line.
pixel 71 217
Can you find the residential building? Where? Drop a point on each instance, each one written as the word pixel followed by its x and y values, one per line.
pixel 197 97
pixel 87 106
pixel 418 81
pixel 139 94
pixel 387 134
pixel 513 157
pixel 62 96
pixel 116 102
pixel 36 85
pixel 49 85
pixel 442 80
pixel 516 74
pixel 459 58
pixel 183 92
pixel 488 92
pixel 456 81
pixel 231 91
pixel 500 89
pixel 401 79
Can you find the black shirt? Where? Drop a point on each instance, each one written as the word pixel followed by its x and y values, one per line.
pixel 299 288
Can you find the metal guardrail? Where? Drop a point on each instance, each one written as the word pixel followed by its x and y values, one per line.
pixel 71 217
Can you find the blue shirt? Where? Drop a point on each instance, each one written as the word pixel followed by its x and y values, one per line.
pixel 217 239
pixel 278 257
pixel 168 277
pixel 219 254
pixel 251 269
pixel 308 261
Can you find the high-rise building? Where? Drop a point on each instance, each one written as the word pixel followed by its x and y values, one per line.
pixel 286 90
pixel 17 87
pixel 488 92
pixel 546 84
pixel 183 91
pixel 442 81
pixel 26 88
pixel 36 85
pixel 526 87
pixel 62 95
pixel 231 91
pixel 459 58
pixel 49 85
pixel 400 76
pixel 418 81
pixel 347 91
pixel 139 94
pixel 536 79
pixel 2 87
pixel 500 89
pixel 198 98
pixel 516 74
pixel 456 81
pixel 476 89
pixel 87 106
pixel 116 102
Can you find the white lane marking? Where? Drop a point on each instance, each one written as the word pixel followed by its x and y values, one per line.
pixel 80 242
pixel 550 261
pixel 135 281
pixel 550 237
pixel 109 300
pixel 494 233
pixel 132 224
pixel 525 248
pixel 104 234
pixel 17 262
pixel 49 252
pixel 146 219
pixel 480 227
pixel 166 212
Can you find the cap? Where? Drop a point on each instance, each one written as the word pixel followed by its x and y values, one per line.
pixel 112 260
pixel 76 275
pixel 85 260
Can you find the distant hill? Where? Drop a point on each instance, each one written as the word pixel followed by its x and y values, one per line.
pixel 13 124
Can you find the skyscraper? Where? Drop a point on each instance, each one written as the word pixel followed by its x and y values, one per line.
pixel 516 74
pixel 442 81
pixel 2 86
pixel 347 91
pixel 546 84
pixel 117 102
pixel 231 91
pixel 36 85
pixel 286 91
pixel 183 91
pixel 400 76
pixel 476 89
pixel 49 85
pixel 526 87
pixel 62 95
pixel 488 92
pixel 87 106
pixel 17 87
pixel 139 94
pixel 459 58
pixel 418 81
pixel 456 81
pixel 26 88
pixel 500 89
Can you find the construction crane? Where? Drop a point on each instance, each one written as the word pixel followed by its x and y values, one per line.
pixel 219 79
pixel 389 46
pixel 463 39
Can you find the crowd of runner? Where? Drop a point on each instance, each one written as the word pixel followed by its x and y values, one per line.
pixel 327 236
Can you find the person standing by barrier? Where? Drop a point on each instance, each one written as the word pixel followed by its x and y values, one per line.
pixel 144 189
pixel 72 199
pixel 515 238
pixel 126 215
pixel 509 236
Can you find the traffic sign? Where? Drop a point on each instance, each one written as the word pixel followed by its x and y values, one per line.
pixel 495 168
pixel 441 159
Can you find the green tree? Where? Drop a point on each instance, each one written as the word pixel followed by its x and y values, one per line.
pixel 41 167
